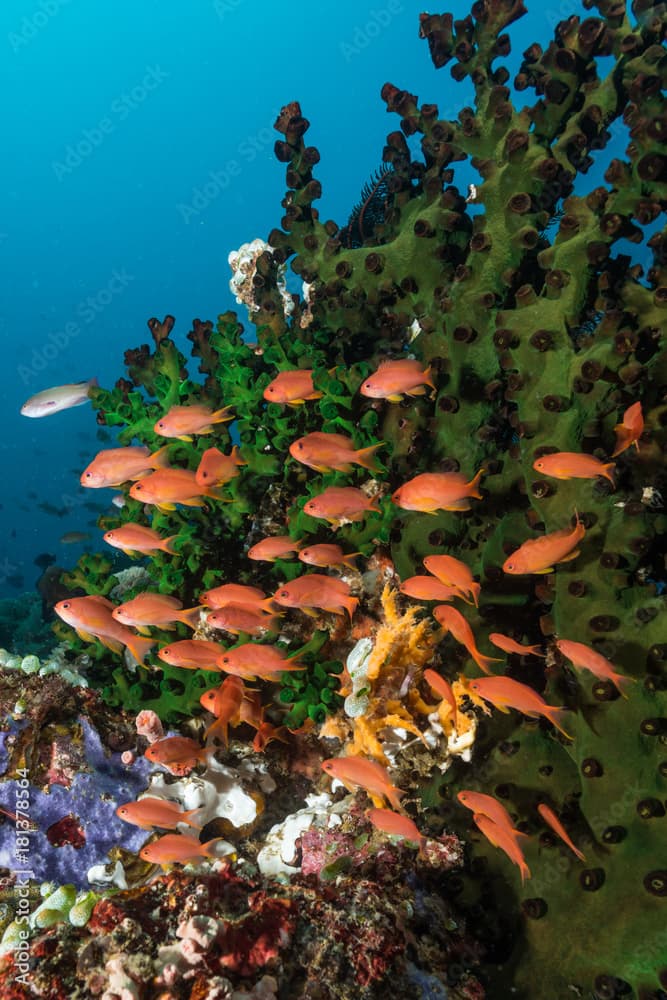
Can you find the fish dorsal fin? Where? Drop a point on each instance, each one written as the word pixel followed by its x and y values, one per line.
pixel 102 601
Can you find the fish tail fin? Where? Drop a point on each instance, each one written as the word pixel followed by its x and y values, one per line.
pixel 220 416
pixel 623 683
pixel 484 662
pixel 214 493
pixel 235 454
pixel 206 848
pixel 160 459
pixel 351 604
pixel 607 472
pixel 269 606
pixel 393 796
pixel 473 485
pixel 428 378
pixel 558 717
pixel 190 616
pixel 475 590
pixel 93 383
pixel 364 457
pixel 220 729
pixel 349 560
pixel 140 648
pixel 168 545
pixel 525 871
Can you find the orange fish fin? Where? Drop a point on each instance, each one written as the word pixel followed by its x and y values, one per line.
pixel 104 602
pixel 193 501
pixel 418 390
pixel 220 416
pixel 167 545
pixel 145 630
pixel 165 508
pixel 558 716
pixel 295 402
pixel 206 848
pixel 622 681
pixel 474 483
pixel 456 505
pixel 310 612
pixel 351 604
pixel 607 472
pixel 112 644
pixel 86 636
pixel 140 648
pixel 190 616
pixel 349 560
pixel 570 556
pixel 186 437
pixel 364 457
pixel 484 662
pixel 395 397
pixel 160 458
pixel 428 379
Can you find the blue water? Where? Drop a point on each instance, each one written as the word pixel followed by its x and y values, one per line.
pixel 138 154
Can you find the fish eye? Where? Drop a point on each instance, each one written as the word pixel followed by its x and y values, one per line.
pixel 160 423
pixel 299 445
pixel 88 475
pixel 65 606
pixel 367 385
pixel 225 659
pixel 122 811
pixel 284 593
pixel 204 475
pixel 510 565
pixel 270 389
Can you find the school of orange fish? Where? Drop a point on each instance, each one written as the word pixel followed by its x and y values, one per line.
pixel 238 608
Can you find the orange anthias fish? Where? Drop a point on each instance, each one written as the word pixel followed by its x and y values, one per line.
pixel 192 654
pixel 427 588
pixel 133 539
pixel 332 452
pixel 574 465
pixel 394 378
pixel 115 466
pixel 396 825
pixel 454 622
pixel 236 618
pixel 454 573
pixel 92 618
pixel 368 774
pixel 442 687
pixel 235 593
pixel 629 431
pixel 177 848
pixel 505 839
pixel 156 609
pixel 167 487
pixel 252 659
pixel 149 812
pixel 266 732
pixel 550 818
pixel 177 752
pixel 274 547
pixel 224 703
pixel 340 504
pixel 539 555
pixel 216 469
pixel 585 658
pixel 488 806
pixel 293 387
pixel 183 421
pixel 509 645
pixel 505 693
pixel 315 590
pixel 433 491
pixel 327 555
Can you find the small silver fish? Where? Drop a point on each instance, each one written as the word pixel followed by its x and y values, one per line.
pixel 74 537
pixel 60 397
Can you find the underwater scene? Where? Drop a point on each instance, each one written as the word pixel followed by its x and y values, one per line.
pixel 333 645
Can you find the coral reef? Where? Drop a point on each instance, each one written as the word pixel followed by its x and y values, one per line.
pixel 520 429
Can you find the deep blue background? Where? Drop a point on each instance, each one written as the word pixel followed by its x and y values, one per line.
pixel 115 113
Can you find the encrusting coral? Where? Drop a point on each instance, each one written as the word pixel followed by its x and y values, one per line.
pixel 476 375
